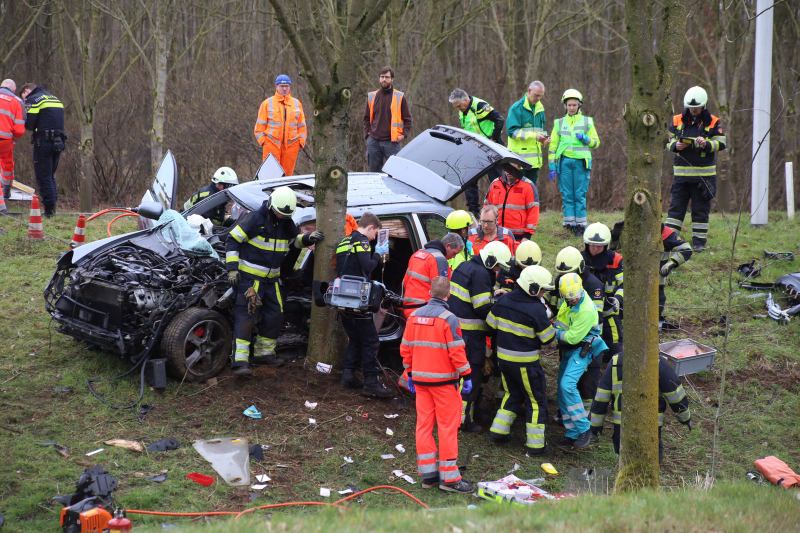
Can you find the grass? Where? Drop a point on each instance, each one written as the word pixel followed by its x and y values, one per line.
pixel 757 415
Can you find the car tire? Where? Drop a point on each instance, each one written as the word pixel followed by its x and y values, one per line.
pixel 196 344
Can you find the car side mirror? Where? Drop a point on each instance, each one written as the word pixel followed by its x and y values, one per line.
pixel 152 210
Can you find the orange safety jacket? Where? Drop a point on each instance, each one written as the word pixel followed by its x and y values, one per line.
pixel 504 235
pixel 777 472
pixel 518 205
pixel 281 121
pixel 432 348
pixel 12 118
pixel 425 264
pixel 396 128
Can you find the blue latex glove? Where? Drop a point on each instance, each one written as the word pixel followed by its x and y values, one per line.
pixel 582 138
pixel 552 175
pixel 466 387
pixel 382 249
pixel 411 386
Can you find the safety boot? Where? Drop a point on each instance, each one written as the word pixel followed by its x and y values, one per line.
pixel 349 379
pixel 461 486
pixel 537 452
pixel 430 482
pixel 241 368
pixel 373 387
pixel 698 245
pixel 583 440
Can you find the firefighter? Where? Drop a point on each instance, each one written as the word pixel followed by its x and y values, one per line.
pixel 255 250
pixel 354 257
pixel 522 326
pixel 428 262
pixel 579 341
pixel 670 391
pixel 517 201
pixel 45 119
pixel 433 355
pixel 471 287
pixel 607 266
pixel 477 116
pixel 487 231
pixel 12 126
pixel 280 128
pixel 527 254
pixel 695 137
pixel 460 221
pixel 675 252
pixel 572 140
pixel 223 178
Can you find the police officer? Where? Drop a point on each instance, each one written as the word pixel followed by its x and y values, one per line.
pixel 607 266
pixel 46 120
pixel 255 250
pixel 522 326
pixel 471 287
pixel 459 222
pixel 354 257
pixel 223 178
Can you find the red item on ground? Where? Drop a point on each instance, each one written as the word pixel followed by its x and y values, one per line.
pixel 777 472
pixel 200 479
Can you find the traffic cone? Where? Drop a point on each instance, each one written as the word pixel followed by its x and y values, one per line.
pixel 79 235
pixel 35 229
pixel 3 207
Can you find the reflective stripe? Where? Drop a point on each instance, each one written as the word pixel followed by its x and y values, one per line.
pixel 425 344
pixel 602 395
pixel 597 420
pixel 272 245
pixel 502 422
pixel 428 468
pixel 616 417
pixel 456 343
pixel 459 292
pixel 710 170
pixel 481 299
pixel 434 375
pixel 515 328
pixel 242 353
pixel 408 299
pixel 264 347
pixel 426 456
pixel 238 234
pixel 10 114
pixel 676 395
pixel 684 415
pixel 616 388
pixel 231 256
pixel 472 324
pixel 4 134
pixel 534 435
pixel 258 270
pixel 462 369
pixel 418 276
pixel 517 357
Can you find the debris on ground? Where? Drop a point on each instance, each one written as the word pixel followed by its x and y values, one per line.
pixel 252 412
pixel 324 368
pixel 512 489
pixel 263 478
pixel 345 492
pixel 389 432
pixel 549 469
pixel 391 416
pixel 400 448
pixel 229 457
pixel 143 410
pixel 775 311
pixel 312 421
pixel 783 256
pixel 325 492
pixel 749 270
pixel 257 451
pixel 348 459
pixel 163 445
pixel 513 469
pixel 258 486
pixel 400 475
pixel 158 478
pixel 132 445
pixel 387 456
pixel 311 405
pixel 200 479
pixel 63 390
pixel 94 452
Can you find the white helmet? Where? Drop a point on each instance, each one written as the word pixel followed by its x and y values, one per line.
pixel 496 253
pixel 572 93
pixel 534 278
pixel 569 259
pixel 597 233
pixel 528 253
pixel 225 175
pixel 695 97
pixel 283 200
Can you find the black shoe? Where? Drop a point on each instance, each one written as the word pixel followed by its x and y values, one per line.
pixel 349 380
pixel 698 245
pixel 241 369
pixel 584 440
pixel 461 486
pixel 430 482
pixel 579 230
pixel 537 452
pixel 267 360
pixel 666 325
pixel 374 388
pixel 499 439
pixel 471 427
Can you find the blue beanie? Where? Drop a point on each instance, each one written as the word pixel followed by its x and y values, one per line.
pixel 283 78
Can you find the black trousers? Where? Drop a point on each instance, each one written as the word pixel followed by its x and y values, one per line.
pixel 587 385
pixel 362 348
pixel 46 154
pixel 662 301
pixel 699 191
pixel 526 390
pixel 475 345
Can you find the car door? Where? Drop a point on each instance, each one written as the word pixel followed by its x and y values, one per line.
pixel 163 189
pixel 442 161
pixel 270 169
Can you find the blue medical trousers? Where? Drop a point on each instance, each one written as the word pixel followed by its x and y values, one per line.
pixel 570 404
pixel 573 182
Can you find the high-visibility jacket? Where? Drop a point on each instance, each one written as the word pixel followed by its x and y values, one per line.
pixel 432 348
pixel 354 256
pixel 522 326
pixel 471 294
pixel 675 249
pixel 694 161
pixel 575 322
pixel 396 127
pixel 478 119
pixel 478 240
pixel 12 115
pixel 518 205
pixel 608 268
pixel 217 215
pixel 424 265
pixel 45 113
pixel 609 390
pixel 563 140
pixel 524 124
pixel 281 121
pixel 592 286
pixel 258 244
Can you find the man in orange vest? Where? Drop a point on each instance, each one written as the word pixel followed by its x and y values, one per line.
pixel 433 354
pixel 387 121
pixel 281 125
pixel 517 201
pixel 12 126
pixel 427 263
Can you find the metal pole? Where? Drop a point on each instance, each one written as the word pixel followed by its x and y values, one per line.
pixel 789 190
pixel 762 87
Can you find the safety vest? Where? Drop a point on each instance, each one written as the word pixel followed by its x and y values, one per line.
pixel 517 206
pixel 424 265
pixel 504 235
pixel 475 120
pixel 567 144
pixel 692 161
pixel 524 141
pixel 522 327
pixel 281 121
pixel 12 118
pixel 396 127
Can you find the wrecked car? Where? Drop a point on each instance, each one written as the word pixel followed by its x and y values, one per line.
pixel 145 292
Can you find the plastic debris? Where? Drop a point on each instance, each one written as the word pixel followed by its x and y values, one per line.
pixel 389 432
pixel 132 445
pixel 324 368
pixel 263 478
pixel 512 489
pixel 257 452
pixel 95 452
pixel 158 478
pixel 162 445
pixel 400 475
pixel 312 421
pixel 63 390
pixel 549 469
pixel 311 405
pixel 328 449
pixel 387 456
pixel 348 418
pixel 229 457
pixel 513 469
pixel 348 459
pixel 346 491
pixel 252 412
pixel 261 486
pixel 200 479
pixel 400 448
pixel 325 492
pixel 391 416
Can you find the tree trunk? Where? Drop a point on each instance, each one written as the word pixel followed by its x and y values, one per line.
pixel 86 148
pixel 163 38
pixel 645 115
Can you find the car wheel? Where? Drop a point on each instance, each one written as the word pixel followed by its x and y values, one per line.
pixel 196 344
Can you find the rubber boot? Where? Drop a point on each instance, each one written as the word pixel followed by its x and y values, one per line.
pixel 375 388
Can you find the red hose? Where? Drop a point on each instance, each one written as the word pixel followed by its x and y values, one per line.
pixel 123 215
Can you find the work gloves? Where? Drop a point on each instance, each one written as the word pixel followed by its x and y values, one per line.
pixel 583 138
pixel 668 267
pixel 313 238
pixel 253 301
pixel 233 277
pixel 411 388
pixel 466 387
pixel 614 304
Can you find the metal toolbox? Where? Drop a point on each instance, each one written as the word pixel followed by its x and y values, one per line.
pixel 687 356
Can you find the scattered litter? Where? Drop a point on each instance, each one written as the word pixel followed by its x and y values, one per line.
pixel 258 487
pixel 785 256
pixel 95 452
pixel 163 445
pixel 328 449
pixel 62 390
pixel 229 457
pixel 535 481
pixel 391 416
pixel 312 421
pixel 311 405
pixel 132 445
pixel 348 418
pixel 512 489
pixel 345 491
pixel 324 368
pixel 400 474
pixel 389 432
pixel 348 459
pixel 400 448
pixel 263 478
pixel 475 456
pixel 325 492
pixel 252 412
pixel 513 469
pixel 257 452
pixel 387 456
pixel 549 469
pixel 63 451
pixel 158 478
pixel 281 466
pixel 365 415
pixel 143 410
pixel 200 479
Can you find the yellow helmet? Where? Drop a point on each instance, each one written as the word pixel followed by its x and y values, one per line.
pixel 495 253
pixel 597 233
pixel 534 278
pixel 283 200
pixel 528 253
pixel 569 259
pixel 570 286
pixel 457 220
pixel 572 93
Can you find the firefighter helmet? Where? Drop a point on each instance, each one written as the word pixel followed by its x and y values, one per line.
pixel 695 97
pixel 570 286
pixel 457 220
pixel 528 253
pixel 569 259
pixel 225 175
pixel 534 278
pixel 283 200
pixel 495 253
pixel 571 93
pixel 597 233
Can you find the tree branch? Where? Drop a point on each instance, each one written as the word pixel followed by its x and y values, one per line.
pixel 299 47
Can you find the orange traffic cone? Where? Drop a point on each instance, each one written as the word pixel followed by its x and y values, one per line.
pixel 35 230
pixel 79 235
pixel 3 207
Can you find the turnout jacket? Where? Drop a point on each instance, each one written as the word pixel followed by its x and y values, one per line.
pixel 432 348
pixel 694 161
pixel 354 256
pixel 609 391
pixel 257 245
pixel 675 249
pixel 521 326
pixel 45 113
pixel 607 267
pixel 517 205
pixel 471 294
pixel 424 265
pixel 217 216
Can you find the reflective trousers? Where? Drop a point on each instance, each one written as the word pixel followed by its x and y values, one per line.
pixel 269 319
pixel 573 183
pixel 440 405
pixel 363 344
pixel 699 191
pixel 475 344
pixel 6 165
pixel 525 393
pixel 286 155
